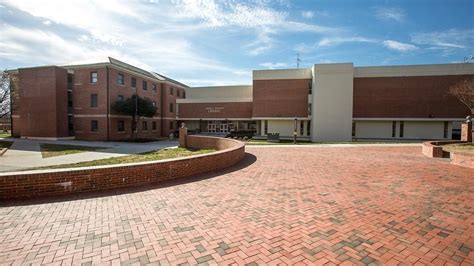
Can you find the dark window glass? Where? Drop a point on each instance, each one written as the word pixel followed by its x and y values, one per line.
pixel 154 87
pixel 94 100
pixel 171 91
pixel 308 128
pixel 171 108
pixel 184 94
pixel 93 77
pixel 120 79
pixel 134 83
pixel 310 85
pixel 120 98
pixel 145 125
pixel 94 125
pixel 153 125
pixel 309 109
pixel 446 127
pixel 394 128
pixel 266 127
pixel 120 126
pixel 402 128
pixel 301 128
pixel 144 85
pixel 353 128
pixel 177 93
pixel 171 125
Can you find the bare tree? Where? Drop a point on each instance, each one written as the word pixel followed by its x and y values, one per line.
pixel 7 81
pixel 464 91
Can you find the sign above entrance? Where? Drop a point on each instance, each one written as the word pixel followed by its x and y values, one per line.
pixel 214 109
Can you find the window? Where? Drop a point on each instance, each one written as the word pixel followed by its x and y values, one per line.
pixel 94 125
pixel 308 128
pixel 171 90
pixel 134 83
pixel 94 100
pixel 145 125
pixel 353 128
pixel 154 87
pixel 171 125
pixel 177 93
pixel 144 85
pixel 184 94
pixel 120 98
pixel 93 77
pixel 266 127
pixel 446 127
pixel 120 126
pixel 402 127
pixel 120 79
pixel 301 128
pixel 310 87
pixel 171 107
pixel 394 128
pixel 153 125
pixel 309 109
pixel 154 104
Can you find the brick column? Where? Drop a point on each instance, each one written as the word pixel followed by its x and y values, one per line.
pixel 466 132
pixel 183 133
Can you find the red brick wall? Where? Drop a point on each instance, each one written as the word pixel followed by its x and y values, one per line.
pixel 43 98
pixel 280 98
pixel 225 110
pixel 66 181
pixel 167 99
pixel 410 97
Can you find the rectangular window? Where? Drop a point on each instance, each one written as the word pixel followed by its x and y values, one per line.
pixel 120 126
pixel 153 125
pixel 308 128
pixel 154 87
pixel 310 87
pixel 94 100
pixel 134 83
pixel 120 98
pixel 446 127
pixel 266 127
pixel 145 125
pixel 171 91
pixel 171 107
pixel 402 128
pixel 394 128
pixel 301 128
pixel 93 77
pixel 171 125
pixel 353 128
pixel 94 125
pixel 184 94
pixel 309 109
pixel 144 85
pixel 120 79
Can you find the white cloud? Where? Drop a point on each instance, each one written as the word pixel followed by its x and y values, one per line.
pixel 271 65
pixel 449 39
pixel 307 14
pixel 47 22
pixel 332 41
pixel 399 46
pixel 390 13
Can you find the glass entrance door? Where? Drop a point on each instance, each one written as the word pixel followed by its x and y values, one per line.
pixel 224 128
pixel 211 127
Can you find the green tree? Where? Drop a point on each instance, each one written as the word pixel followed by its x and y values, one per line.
pixel 136 107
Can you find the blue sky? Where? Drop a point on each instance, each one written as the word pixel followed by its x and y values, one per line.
pixel 212 42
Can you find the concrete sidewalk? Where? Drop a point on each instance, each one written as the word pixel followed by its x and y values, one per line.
pixel 26 153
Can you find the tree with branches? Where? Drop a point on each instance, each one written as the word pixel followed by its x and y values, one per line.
pixel 136 107
pixel 7 83
pixel 464 91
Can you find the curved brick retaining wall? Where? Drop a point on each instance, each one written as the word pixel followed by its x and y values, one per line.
pixel 434 149
pixel 40 183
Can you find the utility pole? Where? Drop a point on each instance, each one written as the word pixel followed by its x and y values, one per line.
pixel 298 60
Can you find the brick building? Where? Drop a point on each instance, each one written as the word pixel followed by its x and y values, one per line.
pixel 326 102
pixel 75 101
pixel 335 102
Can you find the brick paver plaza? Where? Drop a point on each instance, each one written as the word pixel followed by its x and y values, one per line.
pixel 315 205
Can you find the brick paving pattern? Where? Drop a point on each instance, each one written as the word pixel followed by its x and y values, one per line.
pixel 314 206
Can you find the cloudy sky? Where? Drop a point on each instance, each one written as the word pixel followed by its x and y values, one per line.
pixel 212 42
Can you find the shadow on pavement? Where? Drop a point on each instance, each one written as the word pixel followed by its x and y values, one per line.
pixel 248 160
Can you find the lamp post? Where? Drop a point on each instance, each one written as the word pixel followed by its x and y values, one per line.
pixel 295 131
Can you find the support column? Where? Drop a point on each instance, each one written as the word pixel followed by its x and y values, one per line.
pixel 466 132
pixel 183 133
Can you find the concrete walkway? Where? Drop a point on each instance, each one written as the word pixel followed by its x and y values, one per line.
pixel 25 153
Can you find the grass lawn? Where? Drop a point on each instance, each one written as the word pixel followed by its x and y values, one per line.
pixel 5 135
pixel 51 150
pixel 5 144
pixel 141 157
pixel 460 147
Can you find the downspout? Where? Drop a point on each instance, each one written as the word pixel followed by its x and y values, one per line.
pixel 162 88
pixel 108 105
